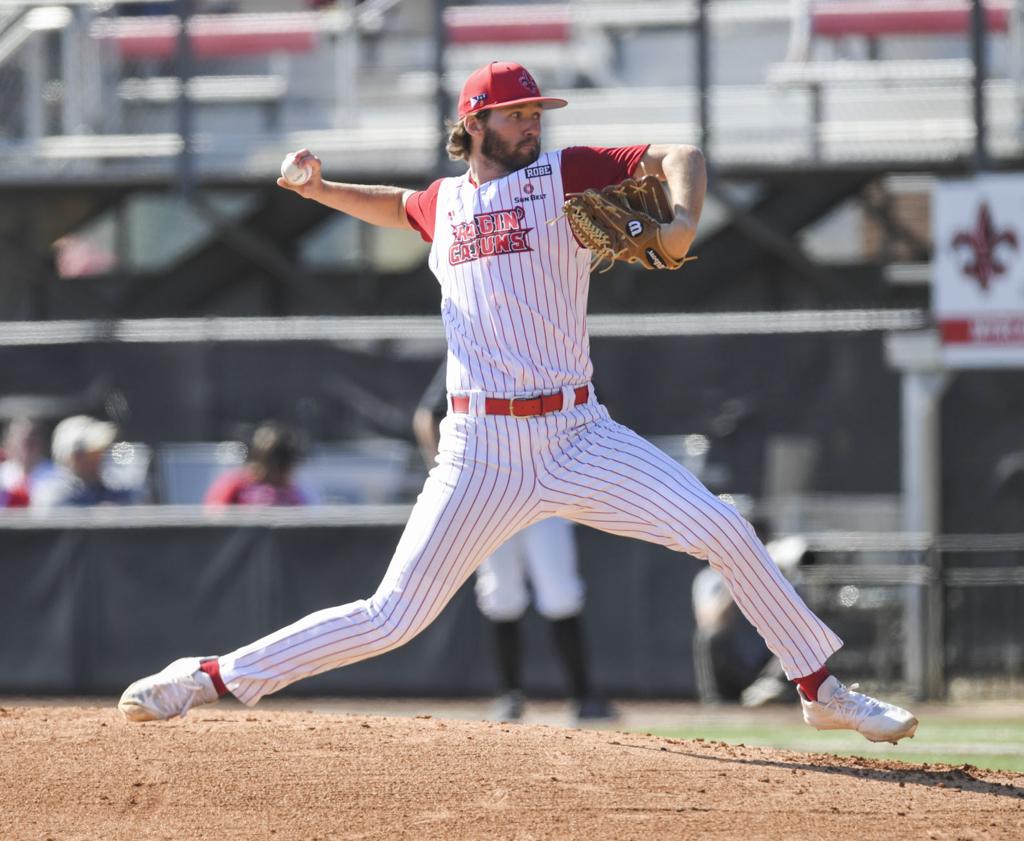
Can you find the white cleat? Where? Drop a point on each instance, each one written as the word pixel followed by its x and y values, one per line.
pixel 172 692
pixel 841 708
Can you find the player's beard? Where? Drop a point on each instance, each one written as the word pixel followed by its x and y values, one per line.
pixel 507 155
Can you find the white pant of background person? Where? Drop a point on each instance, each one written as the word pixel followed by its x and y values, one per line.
pixel 544 554
pixel 496 475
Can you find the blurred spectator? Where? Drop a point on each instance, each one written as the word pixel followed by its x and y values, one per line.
pixel 80 256
pixel 25 464
pixel 80 444
pixel 266 477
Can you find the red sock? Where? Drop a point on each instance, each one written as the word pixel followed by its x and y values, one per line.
pixel 212 668
pixel 809 684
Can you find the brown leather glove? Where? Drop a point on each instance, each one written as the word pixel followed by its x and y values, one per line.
pixel 623 222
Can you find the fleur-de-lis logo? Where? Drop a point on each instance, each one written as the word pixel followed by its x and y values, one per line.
pixel 982 262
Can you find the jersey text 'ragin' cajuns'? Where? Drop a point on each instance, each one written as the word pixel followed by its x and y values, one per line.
pixel 514 281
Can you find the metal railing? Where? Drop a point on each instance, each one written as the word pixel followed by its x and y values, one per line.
pixel 396 327
pixel 915 610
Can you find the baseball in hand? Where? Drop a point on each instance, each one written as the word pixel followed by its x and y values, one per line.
pixel 293 173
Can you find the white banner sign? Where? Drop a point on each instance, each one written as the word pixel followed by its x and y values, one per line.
pixel 978 270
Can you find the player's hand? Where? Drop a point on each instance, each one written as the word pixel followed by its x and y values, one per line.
pixel 303 157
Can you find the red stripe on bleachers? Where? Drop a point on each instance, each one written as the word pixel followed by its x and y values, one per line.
pixel 211 35
pixel 507 23
pixel 921 17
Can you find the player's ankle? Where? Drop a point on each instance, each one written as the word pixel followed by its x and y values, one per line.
pixel 809 684
pixel 212 668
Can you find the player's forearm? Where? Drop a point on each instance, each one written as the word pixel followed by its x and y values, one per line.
pixel 682 168
pixel 376 204
pixel 687 181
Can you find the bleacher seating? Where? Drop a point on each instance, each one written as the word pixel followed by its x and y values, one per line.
pixel 267 91
pixel 204 89
pixel 873 18
pixel 211 35
pixel 265 82
pixel 508 24
pixel 941 71
pixel 919 85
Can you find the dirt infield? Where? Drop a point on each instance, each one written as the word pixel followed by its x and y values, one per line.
pixel 76 773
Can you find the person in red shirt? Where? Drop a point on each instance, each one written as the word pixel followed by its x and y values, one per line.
pixel 266 477
pixel 23 461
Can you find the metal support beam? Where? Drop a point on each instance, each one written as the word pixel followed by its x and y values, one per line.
pixel 347 53
pixel 703 76
pixel 441 99
pixel 184 63
pixel 979 37
pixel 924 380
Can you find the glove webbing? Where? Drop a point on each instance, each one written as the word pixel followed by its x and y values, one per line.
pixel 598 240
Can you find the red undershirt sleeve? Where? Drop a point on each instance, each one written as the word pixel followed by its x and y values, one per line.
pixel 585 167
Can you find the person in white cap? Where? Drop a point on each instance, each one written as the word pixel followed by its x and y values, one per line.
pixel 79 445
pixel 525 437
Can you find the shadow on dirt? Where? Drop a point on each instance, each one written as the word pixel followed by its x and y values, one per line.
pixel 955 778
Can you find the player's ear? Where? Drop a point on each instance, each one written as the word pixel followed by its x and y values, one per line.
pixel 473 125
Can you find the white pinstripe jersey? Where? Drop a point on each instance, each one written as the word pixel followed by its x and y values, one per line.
pixel 514 281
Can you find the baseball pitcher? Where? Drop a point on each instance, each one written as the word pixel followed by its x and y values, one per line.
pixel 513 240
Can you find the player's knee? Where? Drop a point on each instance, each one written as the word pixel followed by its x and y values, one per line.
pixel 391 625
pixel 501 603
pixel 498 610
pixel 561 606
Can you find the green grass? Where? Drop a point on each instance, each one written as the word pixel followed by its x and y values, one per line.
pixel 992 743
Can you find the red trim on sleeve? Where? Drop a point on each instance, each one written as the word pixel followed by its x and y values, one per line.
pixel 584 167
pixel 421 209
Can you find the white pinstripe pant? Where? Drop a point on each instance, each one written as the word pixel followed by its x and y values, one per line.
pixel 496 475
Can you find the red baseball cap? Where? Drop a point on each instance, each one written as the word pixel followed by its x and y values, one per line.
pixel 502 83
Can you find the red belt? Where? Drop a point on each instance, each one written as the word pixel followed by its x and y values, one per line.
pixel 522 407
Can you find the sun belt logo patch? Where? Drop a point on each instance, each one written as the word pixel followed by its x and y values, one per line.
pixel 474 101
pixel 635 227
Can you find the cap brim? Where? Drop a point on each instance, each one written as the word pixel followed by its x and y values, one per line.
pixel 546 102
pixel 99 436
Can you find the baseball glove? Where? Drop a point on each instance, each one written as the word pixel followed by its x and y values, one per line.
pixel 623 222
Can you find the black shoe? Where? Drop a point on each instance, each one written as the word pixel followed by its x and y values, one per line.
pixel 508 707
pixel 594 708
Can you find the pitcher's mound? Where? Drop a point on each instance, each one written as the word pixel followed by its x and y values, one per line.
pixel 73 773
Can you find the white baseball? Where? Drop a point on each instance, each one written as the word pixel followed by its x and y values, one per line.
pixel 293 173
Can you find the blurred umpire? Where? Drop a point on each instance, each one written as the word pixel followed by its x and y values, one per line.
pixel 731 661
